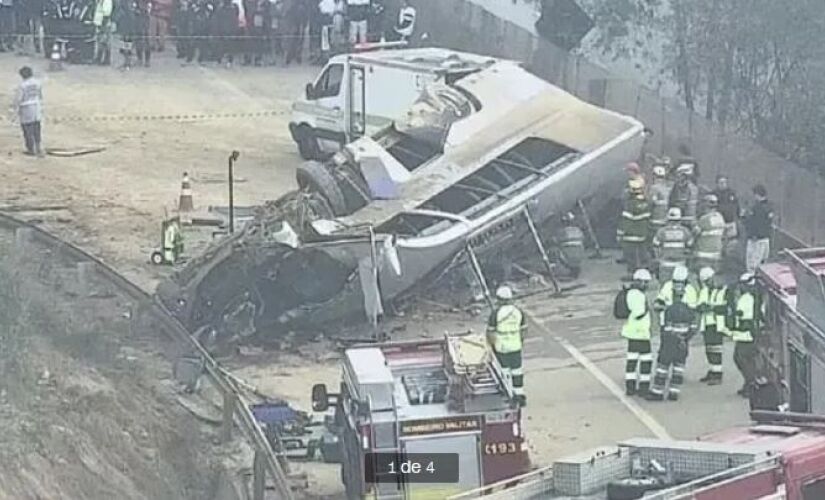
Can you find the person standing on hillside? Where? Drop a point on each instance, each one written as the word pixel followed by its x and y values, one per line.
pixel 296 19
pixel 358 12
pixel 28 105
pixel 141 14
pixel 160 16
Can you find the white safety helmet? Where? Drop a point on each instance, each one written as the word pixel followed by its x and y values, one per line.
pixel 659 171
pixel 747 278
pixel 706 273
pixel 674 213
pixel 642 275
pixel 680 273
pixel 685 169
pixel 504 293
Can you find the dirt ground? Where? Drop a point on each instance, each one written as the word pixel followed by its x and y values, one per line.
pixel 88 407
pixel 115 200
pixel 111 204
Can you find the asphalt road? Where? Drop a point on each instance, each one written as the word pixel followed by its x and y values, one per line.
pixel 574 371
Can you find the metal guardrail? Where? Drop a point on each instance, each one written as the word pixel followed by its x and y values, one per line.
pixel 233 407
pixel 523 487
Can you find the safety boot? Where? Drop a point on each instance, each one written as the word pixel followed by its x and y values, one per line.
pixel 707 378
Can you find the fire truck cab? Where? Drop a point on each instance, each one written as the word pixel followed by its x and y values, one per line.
pixel 425 397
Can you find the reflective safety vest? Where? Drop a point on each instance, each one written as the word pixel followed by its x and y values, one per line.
pixel 571 236
pixel 659 194
pixel 672 243
pixel 634 227
pixel 690 297
pixel 685 197
pixel 571 242
pixel 709 235
pixel 678 321
pixel 716 300
pixel 744 318
pixel 172 242
pixel 637 325
pixel 665 297
pixel 509 319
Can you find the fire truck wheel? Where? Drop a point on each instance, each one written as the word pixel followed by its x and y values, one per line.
pixel 157 258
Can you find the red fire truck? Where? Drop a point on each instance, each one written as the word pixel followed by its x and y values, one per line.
pixel 425 398
pixel 781 456
pixel 793 348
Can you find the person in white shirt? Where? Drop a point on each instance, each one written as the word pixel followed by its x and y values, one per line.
pixel 28 104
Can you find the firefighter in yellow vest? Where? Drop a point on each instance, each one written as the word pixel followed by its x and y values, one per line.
pixel 708 236
pixel 744 325
pixel 686 292
pixel 671 244
pixel 172 242
pixel 712 307
pixel 636 330
pixel 505 332
pixel 659 194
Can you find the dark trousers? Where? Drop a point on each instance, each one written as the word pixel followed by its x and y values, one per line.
pixel 142 49
pixel 511 365
pixel 637 367
pixel 7 27
pixel 31 136
pixel 744 355
pixel 198 45
pixel 713 351
pixel 670 364
pixel 296 43
pixel 226 47
pixel 635 255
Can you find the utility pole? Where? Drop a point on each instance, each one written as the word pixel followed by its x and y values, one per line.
pixel 232 159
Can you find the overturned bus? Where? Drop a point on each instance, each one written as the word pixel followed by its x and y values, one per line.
pixel 472 165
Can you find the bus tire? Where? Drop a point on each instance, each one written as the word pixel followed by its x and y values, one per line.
pixel 307 143
pixel 315 176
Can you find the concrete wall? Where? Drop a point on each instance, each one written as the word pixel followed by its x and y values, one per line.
pixel 799 194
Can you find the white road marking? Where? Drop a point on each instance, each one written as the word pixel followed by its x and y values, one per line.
pixel 640 413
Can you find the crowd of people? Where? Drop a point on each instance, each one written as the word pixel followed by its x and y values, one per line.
pixel 687 244
pixel 252 32
pixel 666 233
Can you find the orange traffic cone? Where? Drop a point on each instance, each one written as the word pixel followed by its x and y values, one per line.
pixel 56 58
pixel 185 203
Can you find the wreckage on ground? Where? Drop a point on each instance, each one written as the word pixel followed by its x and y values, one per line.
pixel 473 165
